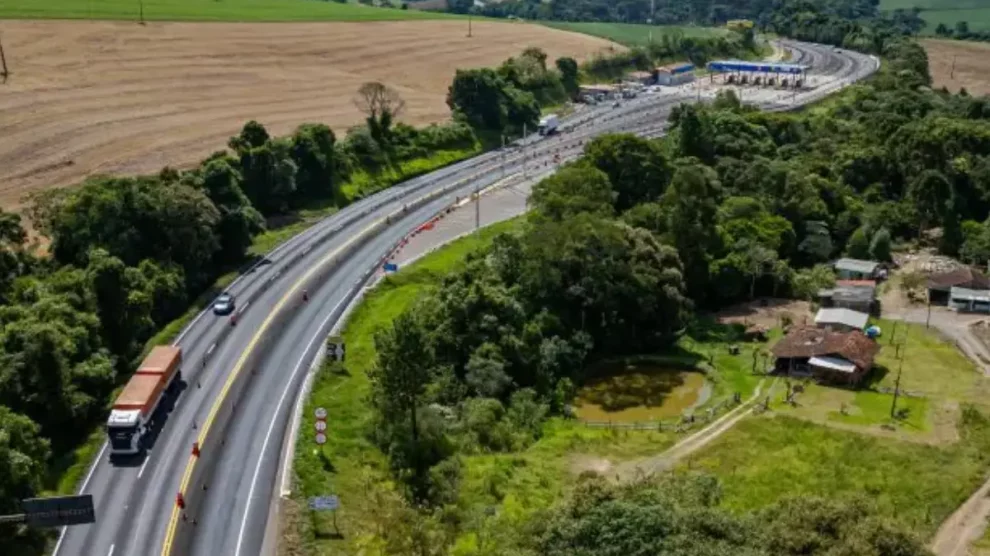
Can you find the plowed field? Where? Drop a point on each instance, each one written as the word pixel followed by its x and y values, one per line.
pixel 105 97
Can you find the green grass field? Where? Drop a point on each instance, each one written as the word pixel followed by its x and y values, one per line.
pixel 206 10
pixel 631 34
pixel 764 459
pixel 974 12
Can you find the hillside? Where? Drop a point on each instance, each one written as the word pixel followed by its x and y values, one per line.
pixel 106 97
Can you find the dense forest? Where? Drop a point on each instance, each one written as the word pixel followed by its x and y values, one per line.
pixel 625 247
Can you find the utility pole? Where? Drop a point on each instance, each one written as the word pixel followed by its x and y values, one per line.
pixel 650 20
pixel 897 383
pixel 469 23
pixel 952 72
pixel 524 150
pixel 141 8
pixel 3 60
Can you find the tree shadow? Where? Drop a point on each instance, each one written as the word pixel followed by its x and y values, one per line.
pixel 635 385
pixel 873 378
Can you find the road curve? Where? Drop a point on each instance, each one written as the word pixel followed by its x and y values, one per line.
pixel 135 504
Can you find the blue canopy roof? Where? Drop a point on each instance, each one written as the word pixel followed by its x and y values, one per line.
pixel 763 67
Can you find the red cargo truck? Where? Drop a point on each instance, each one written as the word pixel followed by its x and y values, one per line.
pixel 133 412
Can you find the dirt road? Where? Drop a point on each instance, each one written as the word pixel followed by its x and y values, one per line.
pixel 689 445
pixel 90 97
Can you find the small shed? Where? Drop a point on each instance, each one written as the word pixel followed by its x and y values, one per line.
pixel 856 269
pixel 674 74
pixel 858 295
pixel 970 301
pixel 840 319
pixel 941 285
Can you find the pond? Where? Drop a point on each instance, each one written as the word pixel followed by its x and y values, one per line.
pixel 635 393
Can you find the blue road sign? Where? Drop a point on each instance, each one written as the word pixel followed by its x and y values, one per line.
pixel 323 503
pixel 391 267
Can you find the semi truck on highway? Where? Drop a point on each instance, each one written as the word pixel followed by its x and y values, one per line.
pixel 548 125
pixel 133 413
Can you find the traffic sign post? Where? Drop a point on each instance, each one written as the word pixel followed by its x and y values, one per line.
pixel 320 413
pixel 321 438
pixel 326 503
pixel 321 426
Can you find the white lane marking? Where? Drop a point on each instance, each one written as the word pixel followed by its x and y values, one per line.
pixel 92 469
pixel 147 458
pixel 271 426
pixel 111 551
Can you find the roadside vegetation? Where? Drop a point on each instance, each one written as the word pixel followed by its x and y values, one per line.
pixel 193 10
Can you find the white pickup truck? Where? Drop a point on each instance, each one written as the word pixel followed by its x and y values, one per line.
pixel 548 125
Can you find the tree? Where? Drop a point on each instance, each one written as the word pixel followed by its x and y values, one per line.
pixel 483 99
pixel 568 69
pixel 880 246
pixel 942 31
pixel 572 190
pixel 636 167
pixel 692 200
pixel 239 221
pixel 694 134
pixel 403 370
pixel 962 29
pixel 930 192
pixel 313 153
pixel 14 261
pixel 376 99
pixel 23 457
pixel 858 246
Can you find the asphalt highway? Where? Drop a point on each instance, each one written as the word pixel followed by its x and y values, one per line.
pixel 135 500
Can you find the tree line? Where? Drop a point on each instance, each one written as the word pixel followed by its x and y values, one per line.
pixel 130 254
pixel 625 246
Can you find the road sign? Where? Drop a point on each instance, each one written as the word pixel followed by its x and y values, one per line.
pixel 321 438
pixel 58 511
pixel 390 267
pixel 324 503
pixel 320 413
pixel 321 426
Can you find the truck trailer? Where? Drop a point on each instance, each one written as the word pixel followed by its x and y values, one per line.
pixel 133 412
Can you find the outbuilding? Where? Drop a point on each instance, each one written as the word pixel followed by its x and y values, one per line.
pixel 856 269
pixel 970 301
pixel 841 320
pixel 858 295
pixel 674 74
pixel 941 285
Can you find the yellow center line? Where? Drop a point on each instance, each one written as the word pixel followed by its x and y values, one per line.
pixel 190 464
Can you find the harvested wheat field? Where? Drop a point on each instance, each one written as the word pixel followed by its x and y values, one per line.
pixel 972 65
pixel 106 97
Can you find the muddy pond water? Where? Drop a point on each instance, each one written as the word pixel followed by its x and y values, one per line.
pixel 640 393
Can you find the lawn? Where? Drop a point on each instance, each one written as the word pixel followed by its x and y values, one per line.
pixel 932 366
pixel 764 459
pixel 206 10
pixel 974 12
pixel 631 34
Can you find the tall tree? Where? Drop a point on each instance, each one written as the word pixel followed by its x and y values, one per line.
pixel 636 167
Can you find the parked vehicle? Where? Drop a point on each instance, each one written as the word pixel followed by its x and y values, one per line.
pixel 134 410
pixel 224 304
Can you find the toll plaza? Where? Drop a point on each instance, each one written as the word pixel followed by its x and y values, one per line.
pixel 771 74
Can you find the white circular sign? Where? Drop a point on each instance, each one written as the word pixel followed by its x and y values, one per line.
pixel 321 438
pixel 320 413
pixel 321 426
